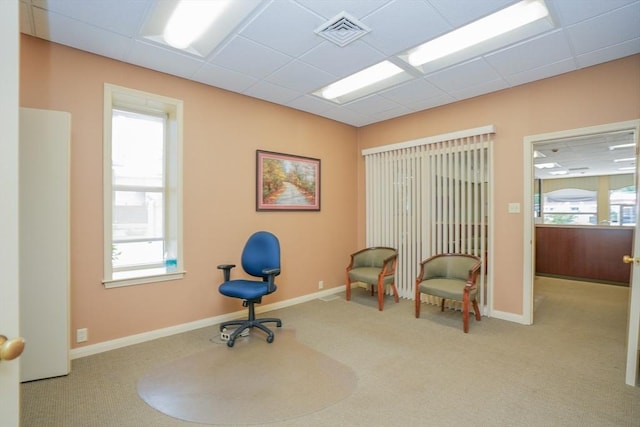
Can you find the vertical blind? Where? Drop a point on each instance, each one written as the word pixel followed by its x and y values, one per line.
pixel 430 196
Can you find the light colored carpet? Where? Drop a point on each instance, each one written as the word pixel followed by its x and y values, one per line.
pixel 253 382
pixel 567 369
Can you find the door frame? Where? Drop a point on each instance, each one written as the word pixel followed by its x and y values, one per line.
pixel 529 234
pixel 9 256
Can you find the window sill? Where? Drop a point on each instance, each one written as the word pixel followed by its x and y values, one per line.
pixel 132 281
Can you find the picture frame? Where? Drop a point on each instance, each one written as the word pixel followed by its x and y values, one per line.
pixel 287 182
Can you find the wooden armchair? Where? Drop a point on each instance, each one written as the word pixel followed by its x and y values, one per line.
pixel 375 266
pixel 450 276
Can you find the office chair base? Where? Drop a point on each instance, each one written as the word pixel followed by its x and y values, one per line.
pixel 245 325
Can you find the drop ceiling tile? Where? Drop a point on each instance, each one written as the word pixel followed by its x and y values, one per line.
pixel 427 103
pixel 272 92
pixel 461 12
pixel 480 89
pixel 548 48
pixel 246 56
pixel 347 116
pixel 390 114
pixel 122 17
pixel 165 60
pixel 574 11
pixel 412 92
pixel 462 76
pixel 543 72
pixel 65 31
pixel 330 8
pixel 413 23
pixel 594 34
pixel 630 47
pixel 343 61
pixel 372 104
pixel 224 78
pixel 286 27
pixel 311 104
pixel 301 77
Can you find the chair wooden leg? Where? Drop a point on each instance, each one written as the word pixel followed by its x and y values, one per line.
pixel 442 304
pixel 380 295
pixel 465 313
pixel 477 310
pixel 417 304
pixel 348 288
pixel 395 292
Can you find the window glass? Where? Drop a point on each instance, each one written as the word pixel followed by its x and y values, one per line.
pixel 570 206
pixel 622 206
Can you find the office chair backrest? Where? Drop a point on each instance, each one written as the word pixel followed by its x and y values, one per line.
pixel 261 251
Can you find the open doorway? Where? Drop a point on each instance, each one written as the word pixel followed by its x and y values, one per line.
pixel 575 206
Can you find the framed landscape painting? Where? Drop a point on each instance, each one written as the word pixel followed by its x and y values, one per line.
pixel 287 182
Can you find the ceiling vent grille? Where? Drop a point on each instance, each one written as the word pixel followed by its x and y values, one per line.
pixel 342 29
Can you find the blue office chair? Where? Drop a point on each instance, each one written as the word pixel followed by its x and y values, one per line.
pixel 260 258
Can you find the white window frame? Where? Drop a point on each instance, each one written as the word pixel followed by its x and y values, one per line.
pixel 117 97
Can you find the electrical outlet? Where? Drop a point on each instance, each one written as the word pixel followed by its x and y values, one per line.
pixel 321 284
pixel 82 335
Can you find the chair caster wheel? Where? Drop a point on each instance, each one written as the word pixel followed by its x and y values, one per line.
pixel 230 343
pixel 270 339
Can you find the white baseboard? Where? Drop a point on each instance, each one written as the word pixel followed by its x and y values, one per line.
pixel 503 315
pixel 90 350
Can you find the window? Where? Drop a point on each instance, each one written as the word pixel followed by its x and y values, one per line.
pixel 622 206
pixel 571 206
pixel 142 187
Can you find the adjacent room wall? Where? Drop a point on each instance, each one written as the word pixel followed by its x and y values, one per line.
pixel 597 95
pixel 222 132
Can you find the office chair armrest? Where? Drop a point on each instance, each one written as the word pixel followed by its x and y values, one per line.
pixel 271 276
pixel 226 270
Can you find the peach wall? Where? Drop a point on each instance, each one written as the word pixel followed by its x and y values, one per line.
pixel 597 95
pixel 222 132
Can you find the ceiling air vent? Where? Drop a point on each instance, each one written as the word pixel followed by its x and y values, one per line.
pixel 342 29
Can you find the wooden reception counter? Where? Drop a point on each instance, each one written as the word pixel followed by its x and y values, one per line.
pixel 592 253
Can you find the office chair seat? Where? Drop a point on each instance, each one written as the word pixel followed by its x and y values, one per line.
pixel 245 289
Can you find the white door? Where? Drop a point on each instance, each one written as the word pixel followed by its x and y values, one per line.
pixel 44 242
pixel 9 370
pixel 633 329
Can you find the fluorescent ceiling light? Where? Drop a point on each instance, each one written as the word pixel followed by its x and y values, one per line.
pixel 200 34
pixel 367 77
pixel 616 147
pixel 629 168
pixel 628 159
pixel 504 21
pixel 547 165
pixel 190 20
pixel 558 173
